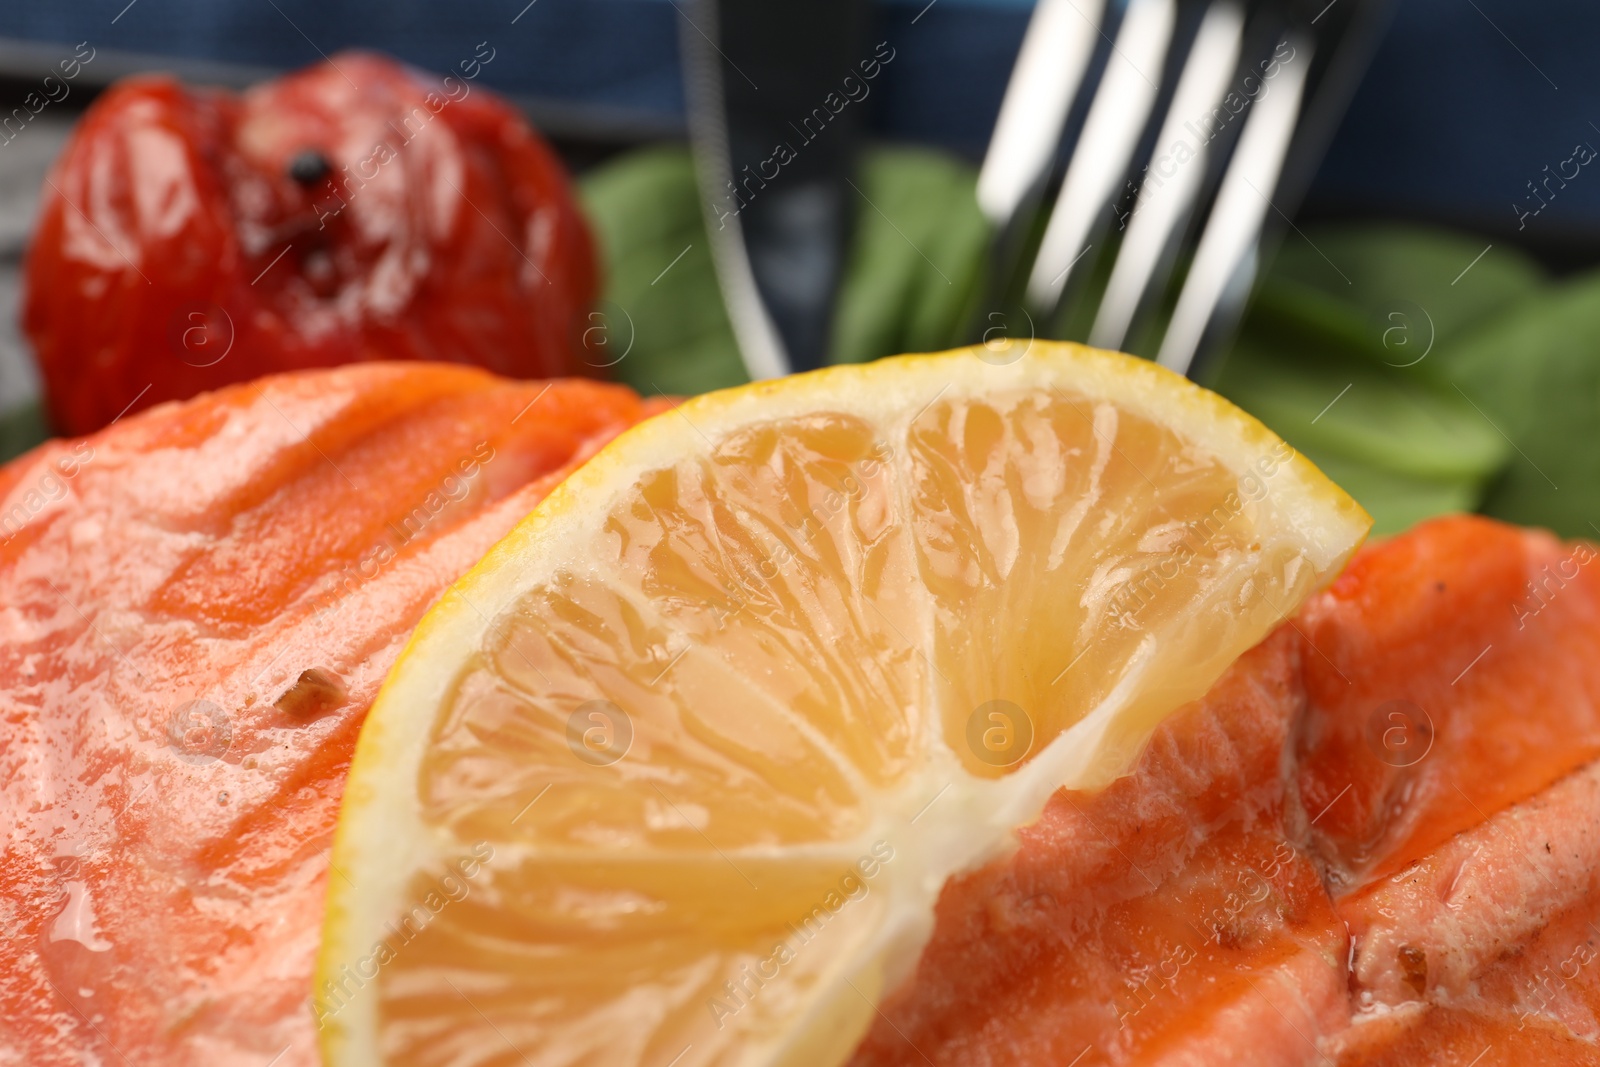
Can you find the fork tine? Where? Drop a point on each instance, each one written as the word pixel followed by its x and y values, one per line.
pixel 1164 201
pixel 1117 117
pixel 1055 53
pixel 1241 206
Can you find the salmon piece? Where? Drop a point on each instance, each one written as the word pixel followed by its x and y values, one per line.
pixel 1459 844
pixel 1463 849
pixel 1453 1037
pixel 1166 920
pixel 197 606
pixel 1451 673
pixel 1538 1004
pixel 1431 930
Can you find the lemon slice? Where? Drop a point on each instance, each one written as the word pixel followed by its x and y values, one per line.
pixel 675 774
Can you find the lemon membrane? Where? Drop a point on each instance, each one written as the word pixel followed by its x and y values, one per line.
pixel 676 773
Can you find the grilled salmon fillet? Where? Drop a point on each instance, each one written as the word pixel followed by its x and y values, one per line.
pixel 1373 842
pixel 197 606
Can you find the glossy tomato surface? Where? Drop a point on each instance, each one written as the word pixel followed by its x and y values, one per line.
pixel 354 210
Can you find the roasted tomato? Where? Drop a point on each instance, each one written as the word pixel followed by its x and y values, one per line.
pixel 355 210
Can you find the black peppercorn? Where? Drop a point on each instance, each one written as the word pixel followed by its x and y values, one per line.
pixel 309 165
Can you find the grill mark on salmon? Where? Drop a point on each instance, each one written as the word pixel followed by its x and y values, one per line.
pixel 1398 628
pixel 1539 1003
pixel 164 898
pixel 1467 876
pixel 1435 925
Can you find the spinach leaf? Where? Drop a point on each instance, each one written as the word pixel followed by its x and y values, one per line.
pixel 913 264
pixel 661 326
pixel 21 428
pixel 1534 374
pixel 1309 366
pixel 1419 282
pixel 1317 394
pixel 915 259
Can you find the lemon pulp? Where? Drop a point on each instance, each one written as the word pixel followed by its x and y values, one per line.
pixel 684 762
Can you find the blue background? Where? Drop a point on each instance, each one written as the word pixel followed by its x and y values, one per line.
pixel 1466 101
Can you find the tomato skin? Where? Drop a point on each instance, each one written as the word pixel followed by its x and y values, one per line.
pixel 351 211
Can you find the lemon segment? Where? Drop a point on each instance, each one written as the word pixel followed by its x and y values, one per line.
pixel 676 773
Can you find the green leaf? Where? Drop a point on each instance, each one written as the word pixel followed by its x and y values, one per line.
pixel 663 321
pixel 21 428
pixel 1395 502
pixel 1534 374
pixel 1324 398
pixel 913 264
pixel 1430 283
pixel 1364 313
pixel 916 258
pixel 1403 446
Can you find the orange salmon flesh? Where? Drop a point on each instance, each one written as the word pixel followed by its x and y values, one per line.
pixel 1375 841
pixel 197 606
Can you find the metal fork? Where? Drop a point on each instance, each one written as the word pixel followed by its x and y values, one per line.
pixel 1253 90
